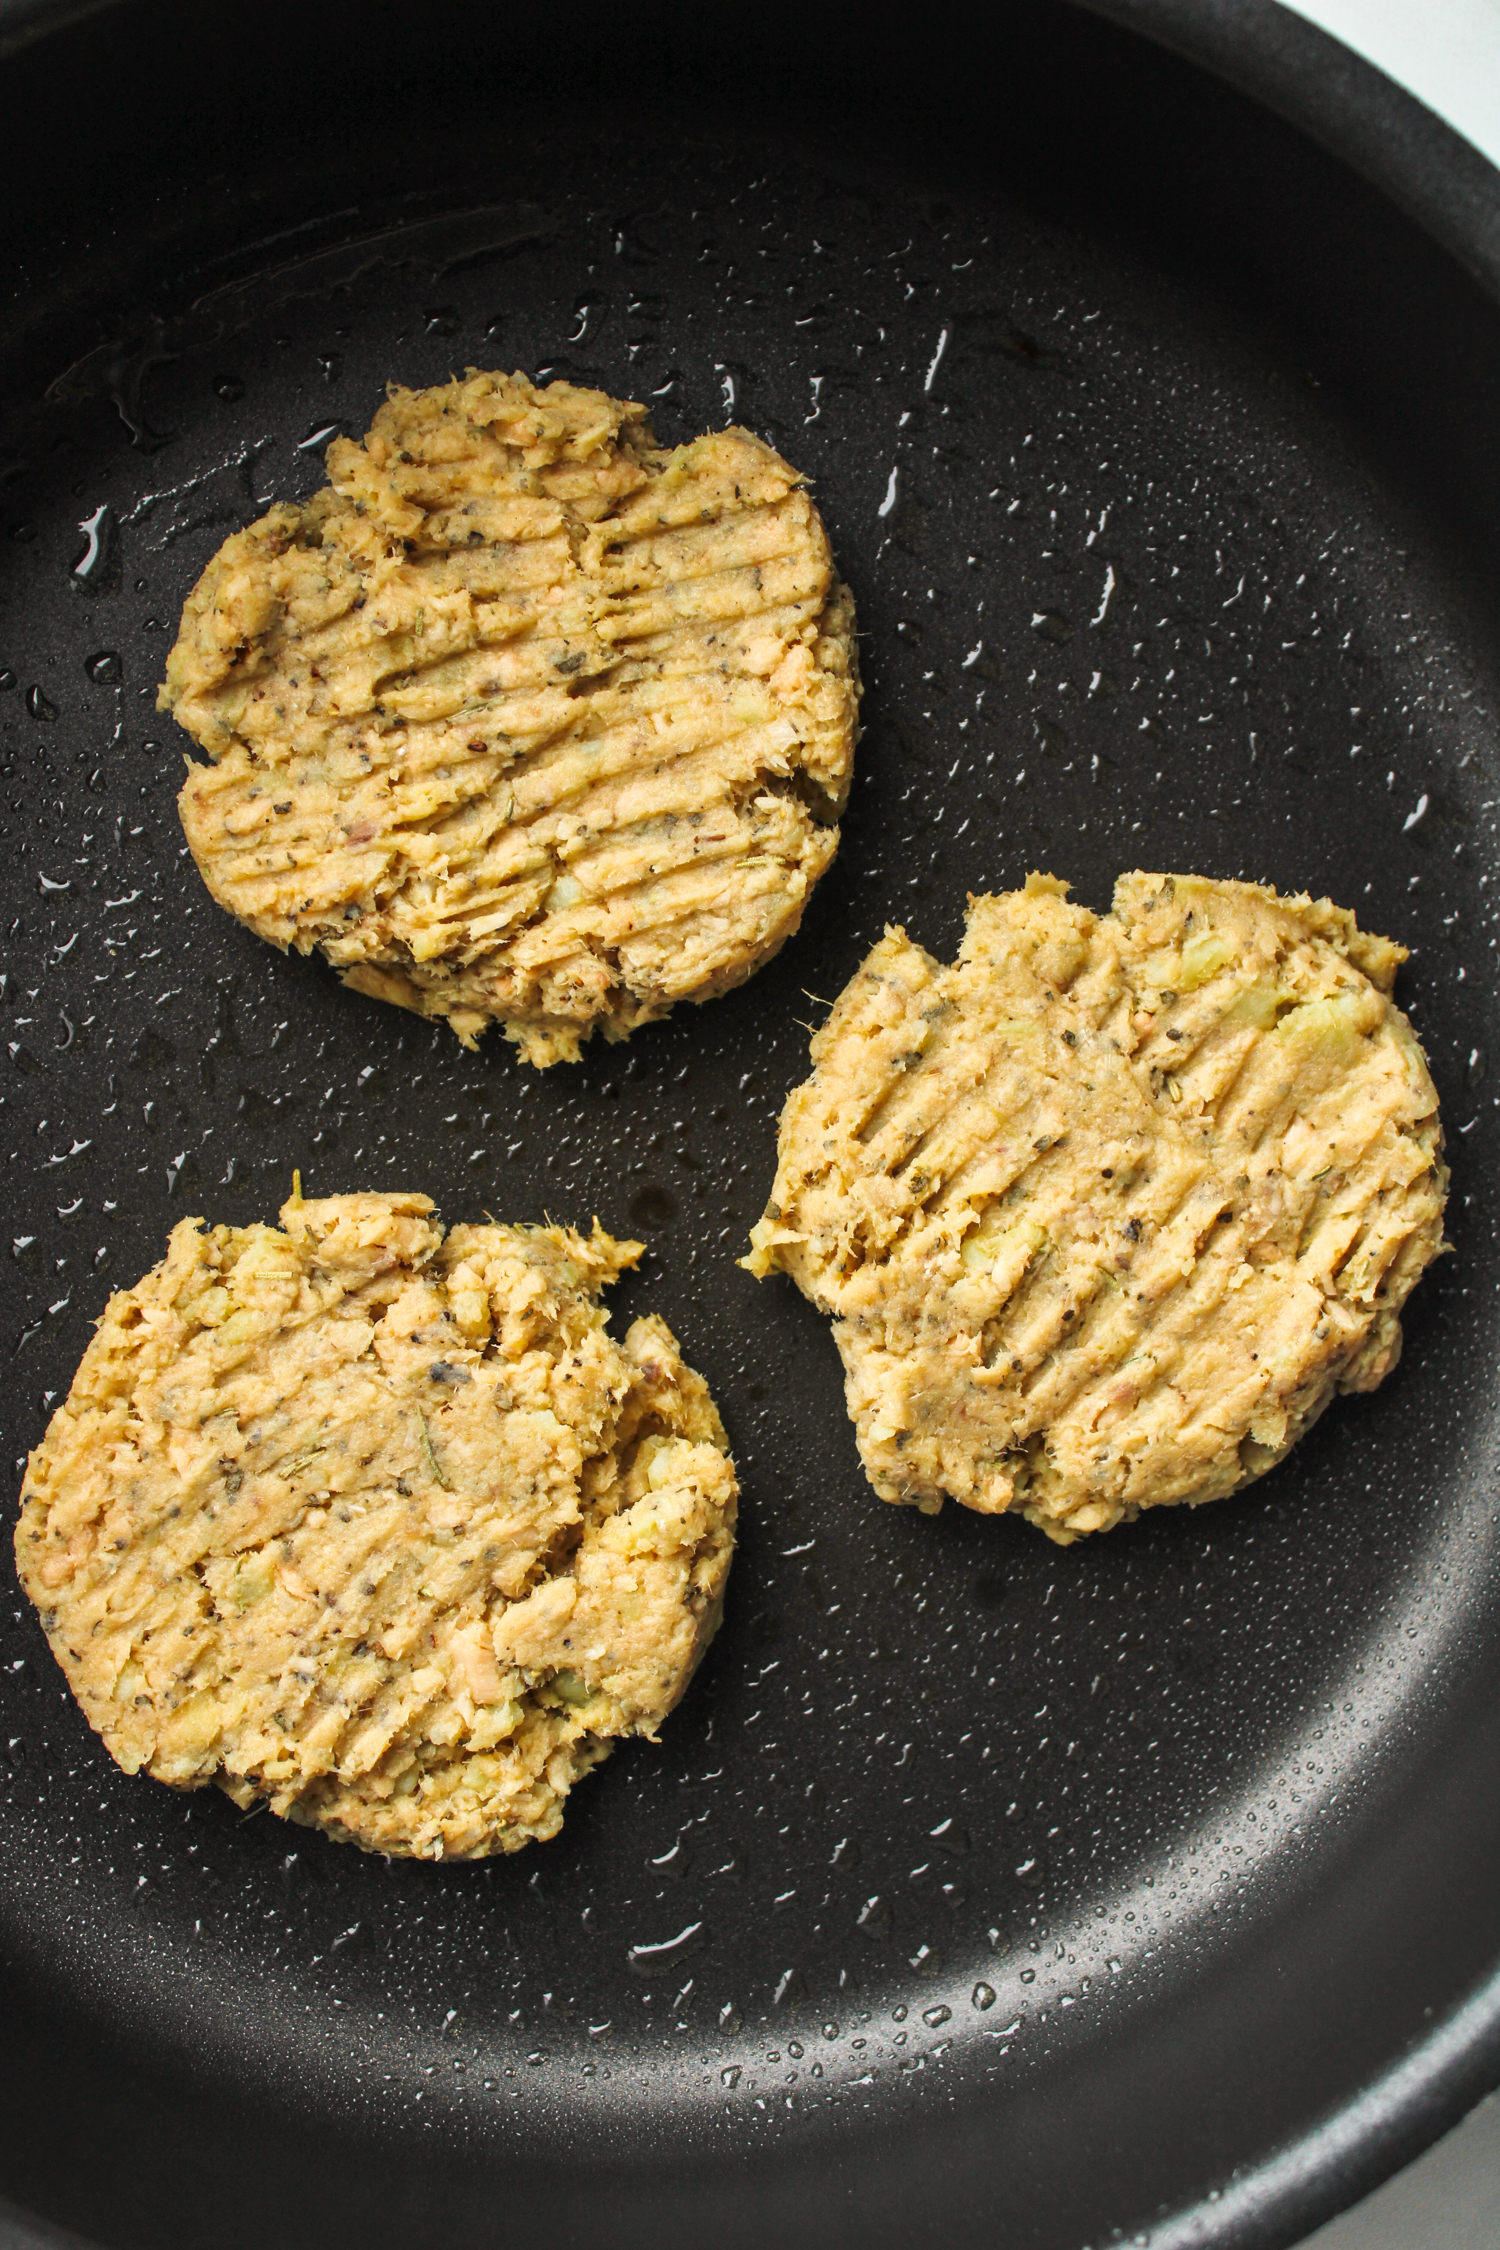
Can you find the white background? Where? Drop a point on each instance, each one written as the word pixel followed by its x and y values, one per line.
pixel 1448 52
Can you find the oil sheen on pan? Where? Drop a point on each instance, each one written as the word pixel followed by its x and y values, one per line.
pixel 1133 593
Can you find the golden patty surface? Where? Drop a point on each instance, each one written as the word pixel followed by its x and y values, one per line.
pixel 1109 1210
pixel 379 1525
pixel 523 719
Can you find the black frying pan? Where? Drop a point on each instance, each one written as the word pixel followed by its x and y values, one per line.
pixel 1143 1892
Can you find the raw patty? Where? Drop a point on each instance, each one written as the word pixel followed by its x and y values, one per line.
pixel 523 719
pixel 380 1526
pixel 1108 1211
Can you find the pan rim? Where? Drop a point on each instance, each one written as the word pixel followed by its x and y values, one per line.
pixel 1429 170
pixel 1349 106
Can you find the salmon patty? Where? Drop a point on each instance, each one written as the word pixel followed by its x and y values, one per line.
pixel 524 719
pixel 1107 1211
pixel 379 1525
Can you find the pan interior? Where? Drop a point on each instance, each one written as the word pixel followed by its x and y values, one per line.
pixel 950 1816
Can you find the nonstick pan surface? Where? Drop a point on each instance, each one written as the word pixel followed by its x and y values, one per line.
pixel 1140 1892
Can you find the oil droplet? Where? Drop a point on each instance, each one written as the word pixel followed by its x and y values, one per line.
pixel 932 2017
pixel 731 2076
pixel 874 1917
pixel 982 1997
pixel 105 669
pixel 95 529
pixel 7 679
pixel 39 705
pixel 230 389
pixel 643 1959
